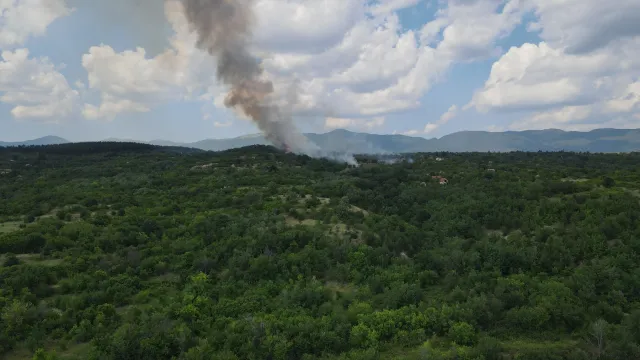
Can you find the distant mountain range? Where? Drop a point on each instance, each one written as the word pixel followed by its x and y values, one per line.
pixel 599 140
pixel 47 140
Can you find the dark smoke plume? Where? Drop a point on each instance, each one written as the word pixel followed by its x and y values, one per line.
pixel 224 30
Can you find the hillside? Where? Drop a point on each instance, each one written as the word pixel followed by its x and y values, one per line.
pixel 126 251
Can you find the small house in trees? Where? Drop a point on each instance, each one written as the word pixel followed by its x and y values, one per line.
pixel 441 180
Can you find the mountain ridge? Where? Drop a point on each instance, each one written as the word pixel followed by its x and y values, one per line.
pixel 342 140
pixel 45 140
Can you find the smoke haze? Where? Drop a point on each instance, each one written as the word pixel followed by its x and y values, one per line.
pixel 224 29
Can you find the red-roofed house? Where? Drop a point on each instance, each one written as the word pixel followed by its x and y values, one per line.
pixel 442 180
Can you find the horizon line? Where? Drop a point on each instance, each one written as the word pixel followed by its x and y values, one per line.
pixel 313 133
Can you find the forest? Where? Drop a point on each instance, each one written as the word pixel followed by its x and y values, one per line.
pixel 131 251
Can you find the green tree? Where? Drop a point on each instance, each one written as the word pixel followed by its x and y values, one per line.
pixel 462 333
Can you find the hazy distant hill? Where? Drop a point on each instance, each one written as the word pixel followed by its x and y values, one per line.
pixel 599 140
pixel 47 140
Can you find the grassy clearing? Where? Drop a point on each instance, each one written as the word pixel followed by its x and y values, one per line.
pixel 360 210
pixel 575 180
pixel 9 226
pixel 48 262
pixel 76 352
pixel 21 353
pixel 339 287
pixel 520 346
pixel 35 259
pixel 121 310
pixel 293 222
pixel 633 192
pixel 498 233
pixel 168 277
pixel 344 231
pixel 72 352
pixel 512 349
pixel 323 200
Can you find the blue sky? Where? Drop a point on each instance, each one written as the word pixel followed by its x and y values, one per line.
pixel 439 67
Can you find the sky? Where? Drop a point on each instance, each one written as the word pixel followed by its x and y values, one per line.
pixel 130 69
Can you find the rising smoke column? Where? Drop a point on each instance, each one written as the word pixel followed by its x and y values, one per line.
pixel 224 29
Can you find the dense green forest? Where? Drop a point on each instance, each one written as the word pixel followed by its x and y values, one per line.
pixel 130 251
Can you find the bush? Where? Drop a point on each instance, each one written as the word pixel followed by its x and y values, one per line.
pixel 489 348
pixel 462 333
pixel 61 214
pixel 11 260
pixel 608 182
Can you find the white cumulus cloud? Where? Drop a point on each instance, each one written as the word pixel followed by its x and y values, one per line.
pixel 355 124
pixel 110 108
pixel 351 62
pixel 583 72
pixel 21 19
pixel 388 6
pixel 350 59
pixel 629 100
pixel 581 26
pixel 35 87
pixel 430 127
pixel 471 28
pixel 310 26
pixel 132 81
pixel 445 118
pixel 377 66
pixel 564 117
pixel 356 60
